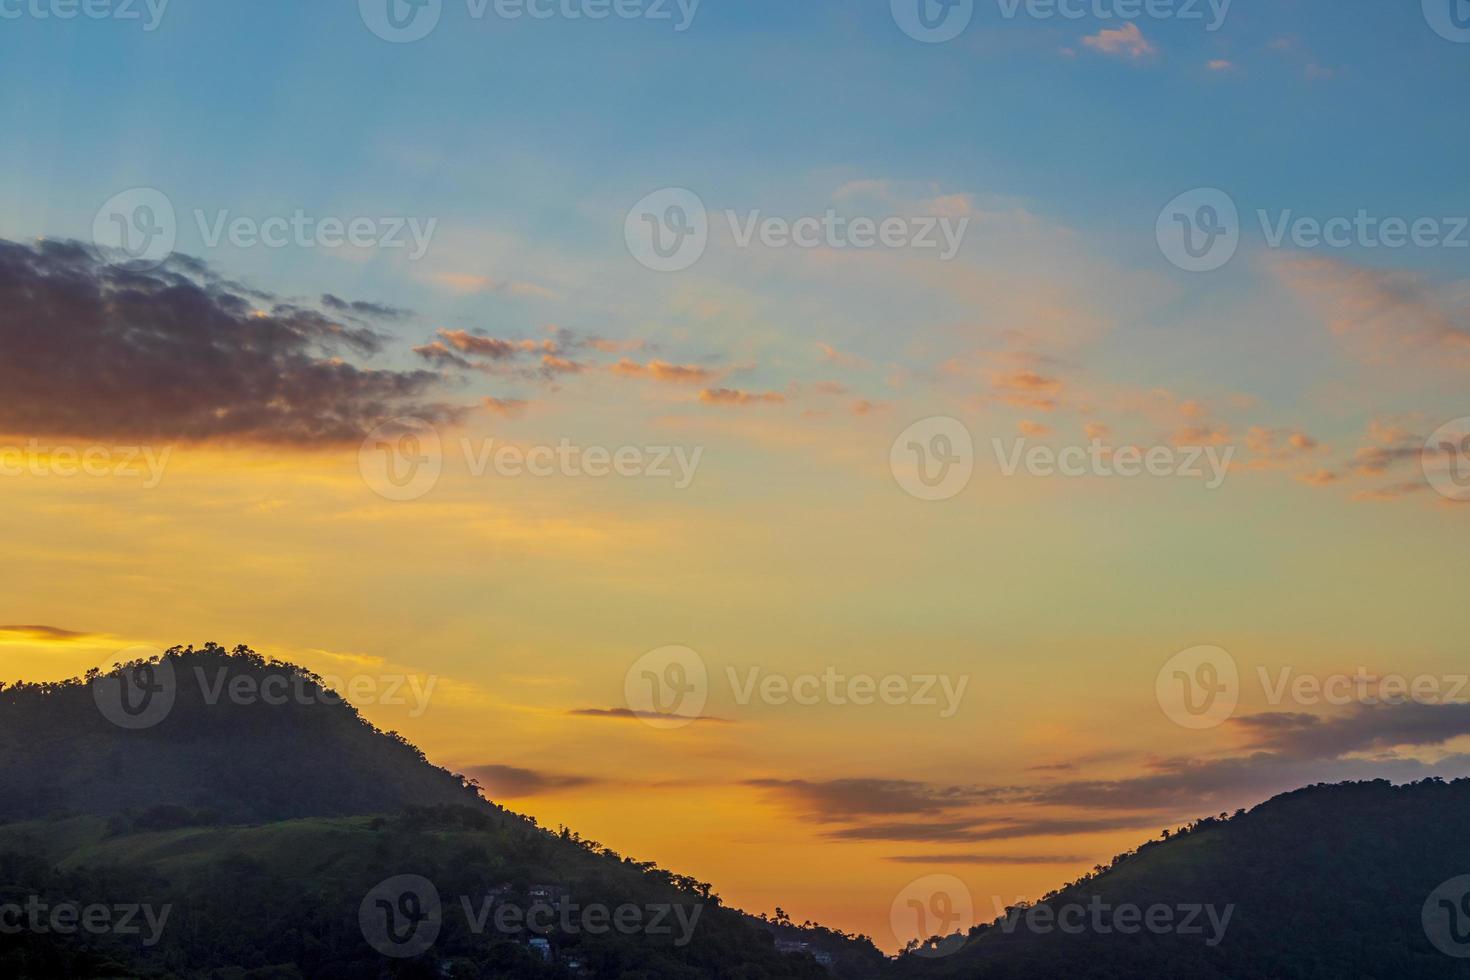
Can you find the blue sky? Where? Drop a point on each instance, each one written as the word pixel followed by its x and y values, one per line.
pixel 1061 323
pixel 540 134
pixel 522 122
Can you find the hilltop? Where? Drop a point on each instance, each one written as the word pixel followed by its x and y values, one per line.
pixel 279 838
pixel 1328 881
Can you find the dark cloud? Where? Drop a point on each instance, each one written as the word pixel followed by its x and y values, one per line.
pixel 1365 728
pixel 439 355
pixel 842 799
pixel 513 781
pixel 94 350
pixel 43 632
pixel 994 860
pixel 1288 750
pixel 372 311
pixel 1292 749
pixel 630 714
pixel 973 831
pixel 1176 785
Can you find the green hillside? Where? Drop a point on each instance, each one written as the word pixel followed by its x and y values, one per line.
pixel 270 842
pixel 274 842
pixel 1324 882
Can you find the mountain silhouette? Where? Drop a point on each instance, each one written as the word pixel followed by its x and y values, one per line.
pixel 260 829
pixel 246 738
pixel 1363 880
pixel 211 833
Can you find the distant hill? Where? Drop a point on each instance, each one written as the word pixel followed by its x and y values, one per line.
pixel 293 840
pixel 1324 882
pixel 242 759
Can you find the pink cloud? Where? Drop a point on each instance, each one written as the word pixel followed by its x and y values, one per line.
pixel 1123 42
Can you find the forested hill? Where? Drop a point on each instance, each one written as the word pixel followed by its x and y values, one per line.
pixel 234 734
pixel 280 837
pixel 267 826
pixel 1332 881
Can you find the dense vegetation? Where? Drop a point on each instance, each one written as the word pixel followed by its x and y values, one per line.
pixel 246 759
pixel 262 828
pixel 1324 882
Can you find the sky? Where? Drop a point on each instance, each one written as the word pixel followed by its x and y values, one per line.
pixel 619 428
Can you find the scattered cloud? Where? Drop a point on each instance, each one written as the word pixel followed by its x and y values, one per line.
pixel 50 634
pixel 664 371
pixel 1122 42
pixel 991 860
pixel 840 799
pixel 629 714
pixel 832 355
pixel 505 407
pixel 972 831
pixel 468 283
pixel 1381 313
pixel 735 396
pixel 513 782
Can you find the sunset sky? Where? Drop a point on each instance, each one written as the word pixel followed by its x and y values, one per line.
pixel 795 547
